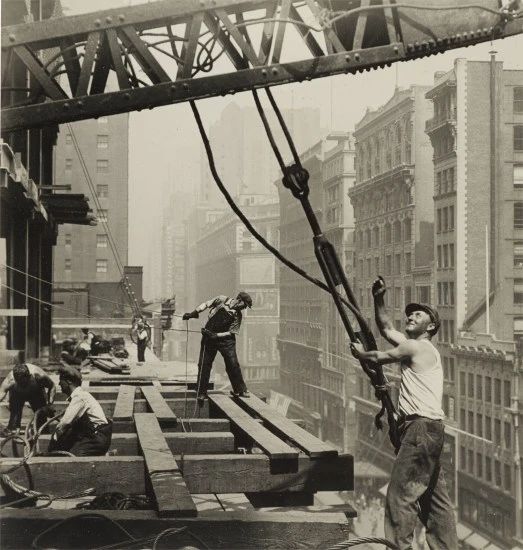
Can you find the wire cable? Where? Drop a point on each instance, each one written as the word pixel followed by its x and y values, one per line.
pixel 235 208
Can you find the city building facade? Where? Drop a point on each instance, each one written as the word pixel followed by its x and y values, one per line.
pixel 477 139
pixel 229 259
pixel 394 215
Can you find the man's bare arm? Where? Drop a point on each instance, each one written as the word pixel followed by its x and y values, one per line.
pixel 403 351
pixel 6 385
pixel 383 320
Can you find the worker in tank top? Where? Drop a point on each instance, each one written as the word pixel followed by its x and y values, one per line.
pixel 417 487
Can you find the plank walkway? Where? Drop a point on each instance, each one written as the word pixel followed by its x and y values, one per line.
pixel 170 492
pixel 124 408
pixel 157 403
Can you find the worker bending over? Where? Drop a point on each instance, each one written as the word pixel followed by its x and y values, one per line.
pixel 26 383
pixel 219 334
pixel 84 429
pixel 417 485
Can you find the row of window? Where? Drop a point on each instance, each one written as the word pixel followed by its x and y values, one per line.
pixel 392 232
pixel 445 256
pixel 392 265
pixel 102 140
pixel 446 293
pixel 446 332
pixel 101 240
pixel 482 426
pixel 445 182
pixel 445 219
pixel 102 165
pixel 484 468
pixel 481 388
pixel 101 265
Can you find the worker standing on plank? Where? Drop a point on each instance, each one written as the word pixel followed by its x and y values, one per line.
pixel 142 337
pixel 417 486
pixel 219 334
pixel 84 429
pixel 26 383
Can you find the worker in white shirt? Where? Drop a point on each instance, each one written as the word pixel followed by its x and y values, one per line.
pixel 84 429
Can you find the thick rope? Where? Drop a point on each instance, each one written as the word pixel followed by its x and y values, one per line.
pixel 362 540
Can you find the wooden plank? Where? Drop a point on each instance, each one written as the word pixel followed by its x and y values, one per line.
pixel 272 445
pixel 157 403
pixel 228 473
pixel 126 444
pixel 285 428
pixel 111 393
pixel 245 530
pixel 192 425
pixel 124 408
pixel 170 492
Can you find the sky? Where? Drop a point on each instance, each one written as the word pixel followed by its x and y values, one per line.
pixel 165 144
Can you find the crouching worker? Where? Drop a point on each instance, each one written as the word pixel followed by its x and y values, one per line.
pixel 219 334
pixel 26 383
pixel 84 429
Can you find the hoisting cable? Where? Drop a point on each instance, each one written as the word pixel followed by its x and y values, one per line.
pixel 296 179
pixel 376 376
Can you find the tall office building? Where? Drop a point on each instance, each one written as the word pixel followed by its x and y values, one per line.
pixel 85 254
pixel 477 138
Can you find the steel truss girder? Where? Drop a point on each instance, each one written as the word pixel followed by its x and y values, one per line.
pixel 92 46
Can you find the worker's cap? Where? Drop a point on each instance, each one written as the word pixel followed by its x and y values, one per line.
pixel 84 329
pixel 71 374
pixel 245 298
pixel 21 372
pixel 432 313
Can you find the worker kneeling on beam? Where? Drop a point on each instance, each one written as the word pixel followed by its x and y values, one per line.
pixel 27 383
pixel 84 429
pixel 219 334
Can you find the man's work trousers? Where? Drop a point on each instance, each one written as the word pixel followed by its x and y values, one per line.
pixel 417 488
pixel 17 400
pixel 208 350
pixel 84 442
pixel 141 345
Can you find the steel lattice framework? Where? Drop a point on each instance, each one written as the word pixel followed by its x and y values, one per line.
pixel 58 70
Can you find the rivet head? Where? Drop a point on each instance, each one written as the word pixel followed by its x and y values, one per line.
pixel 109 19
pixel 396 49
pixel 80 104
pixel 127 96
pixel 121 17
pixel 173 88
pixel 264 72
pixel 357 57
pixel 12 37
pixel 66 105
pixel 97 22
pixel 274 71
pixel 347 58
pixel 186 86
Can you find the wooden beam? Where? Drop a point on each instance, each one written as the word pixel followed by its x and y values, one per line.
pixel 286 429
pixel 109 393
pixel 189 424
pixel 170 492
pixel 124 408
pixel 126 444
pixel 246 530
pixel 231 473
pixel 265 440
pixel 157 403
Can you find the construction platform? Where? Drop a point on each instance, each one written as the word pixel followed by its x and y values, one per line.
pixel 232 471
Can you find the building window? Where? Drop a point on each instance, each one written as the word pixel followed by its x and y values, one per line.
pixel 497 431
pixel 451 254
pixel 68 239
pixel 102 166
pixel 388 264
pixel 507 432
pixel 518 254
pixel 488 428
pixel 506 393
pixel 67 264
pixel 376 236
pixel 102 191
pixel 68 165
pixel 470 389
pixel 103 120
pixel 407 229
pixel 376 264
pixel 438 223
pixel 462 419
pixel 507 478
pixel 488 469
pixel 479 465
pixel 68 139
pixel 439 257
pixel 462 386
pixel 497 391
pixel 388 233
pixel 102 141
pixel 518 291
pixel 470 422
pixel 397 297
pixel 479 425
pixel 102 216
pixel 518 175
pixel 451 217
pixel 479 387
pixel 518 215
pixel 101 241
pixel 101 266
pixel 518 99
pixel 488 389
pixel 445 250
pixel 397 264
pixel 497 473
pixel 518 138
pixel 397 231
pixel 470 465
pixel 462 458
pixel 408 263
pixel 423 294
pixel 408 295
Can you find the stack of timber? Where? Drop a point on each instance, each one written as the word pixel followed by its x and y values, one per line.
pixel 210 468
